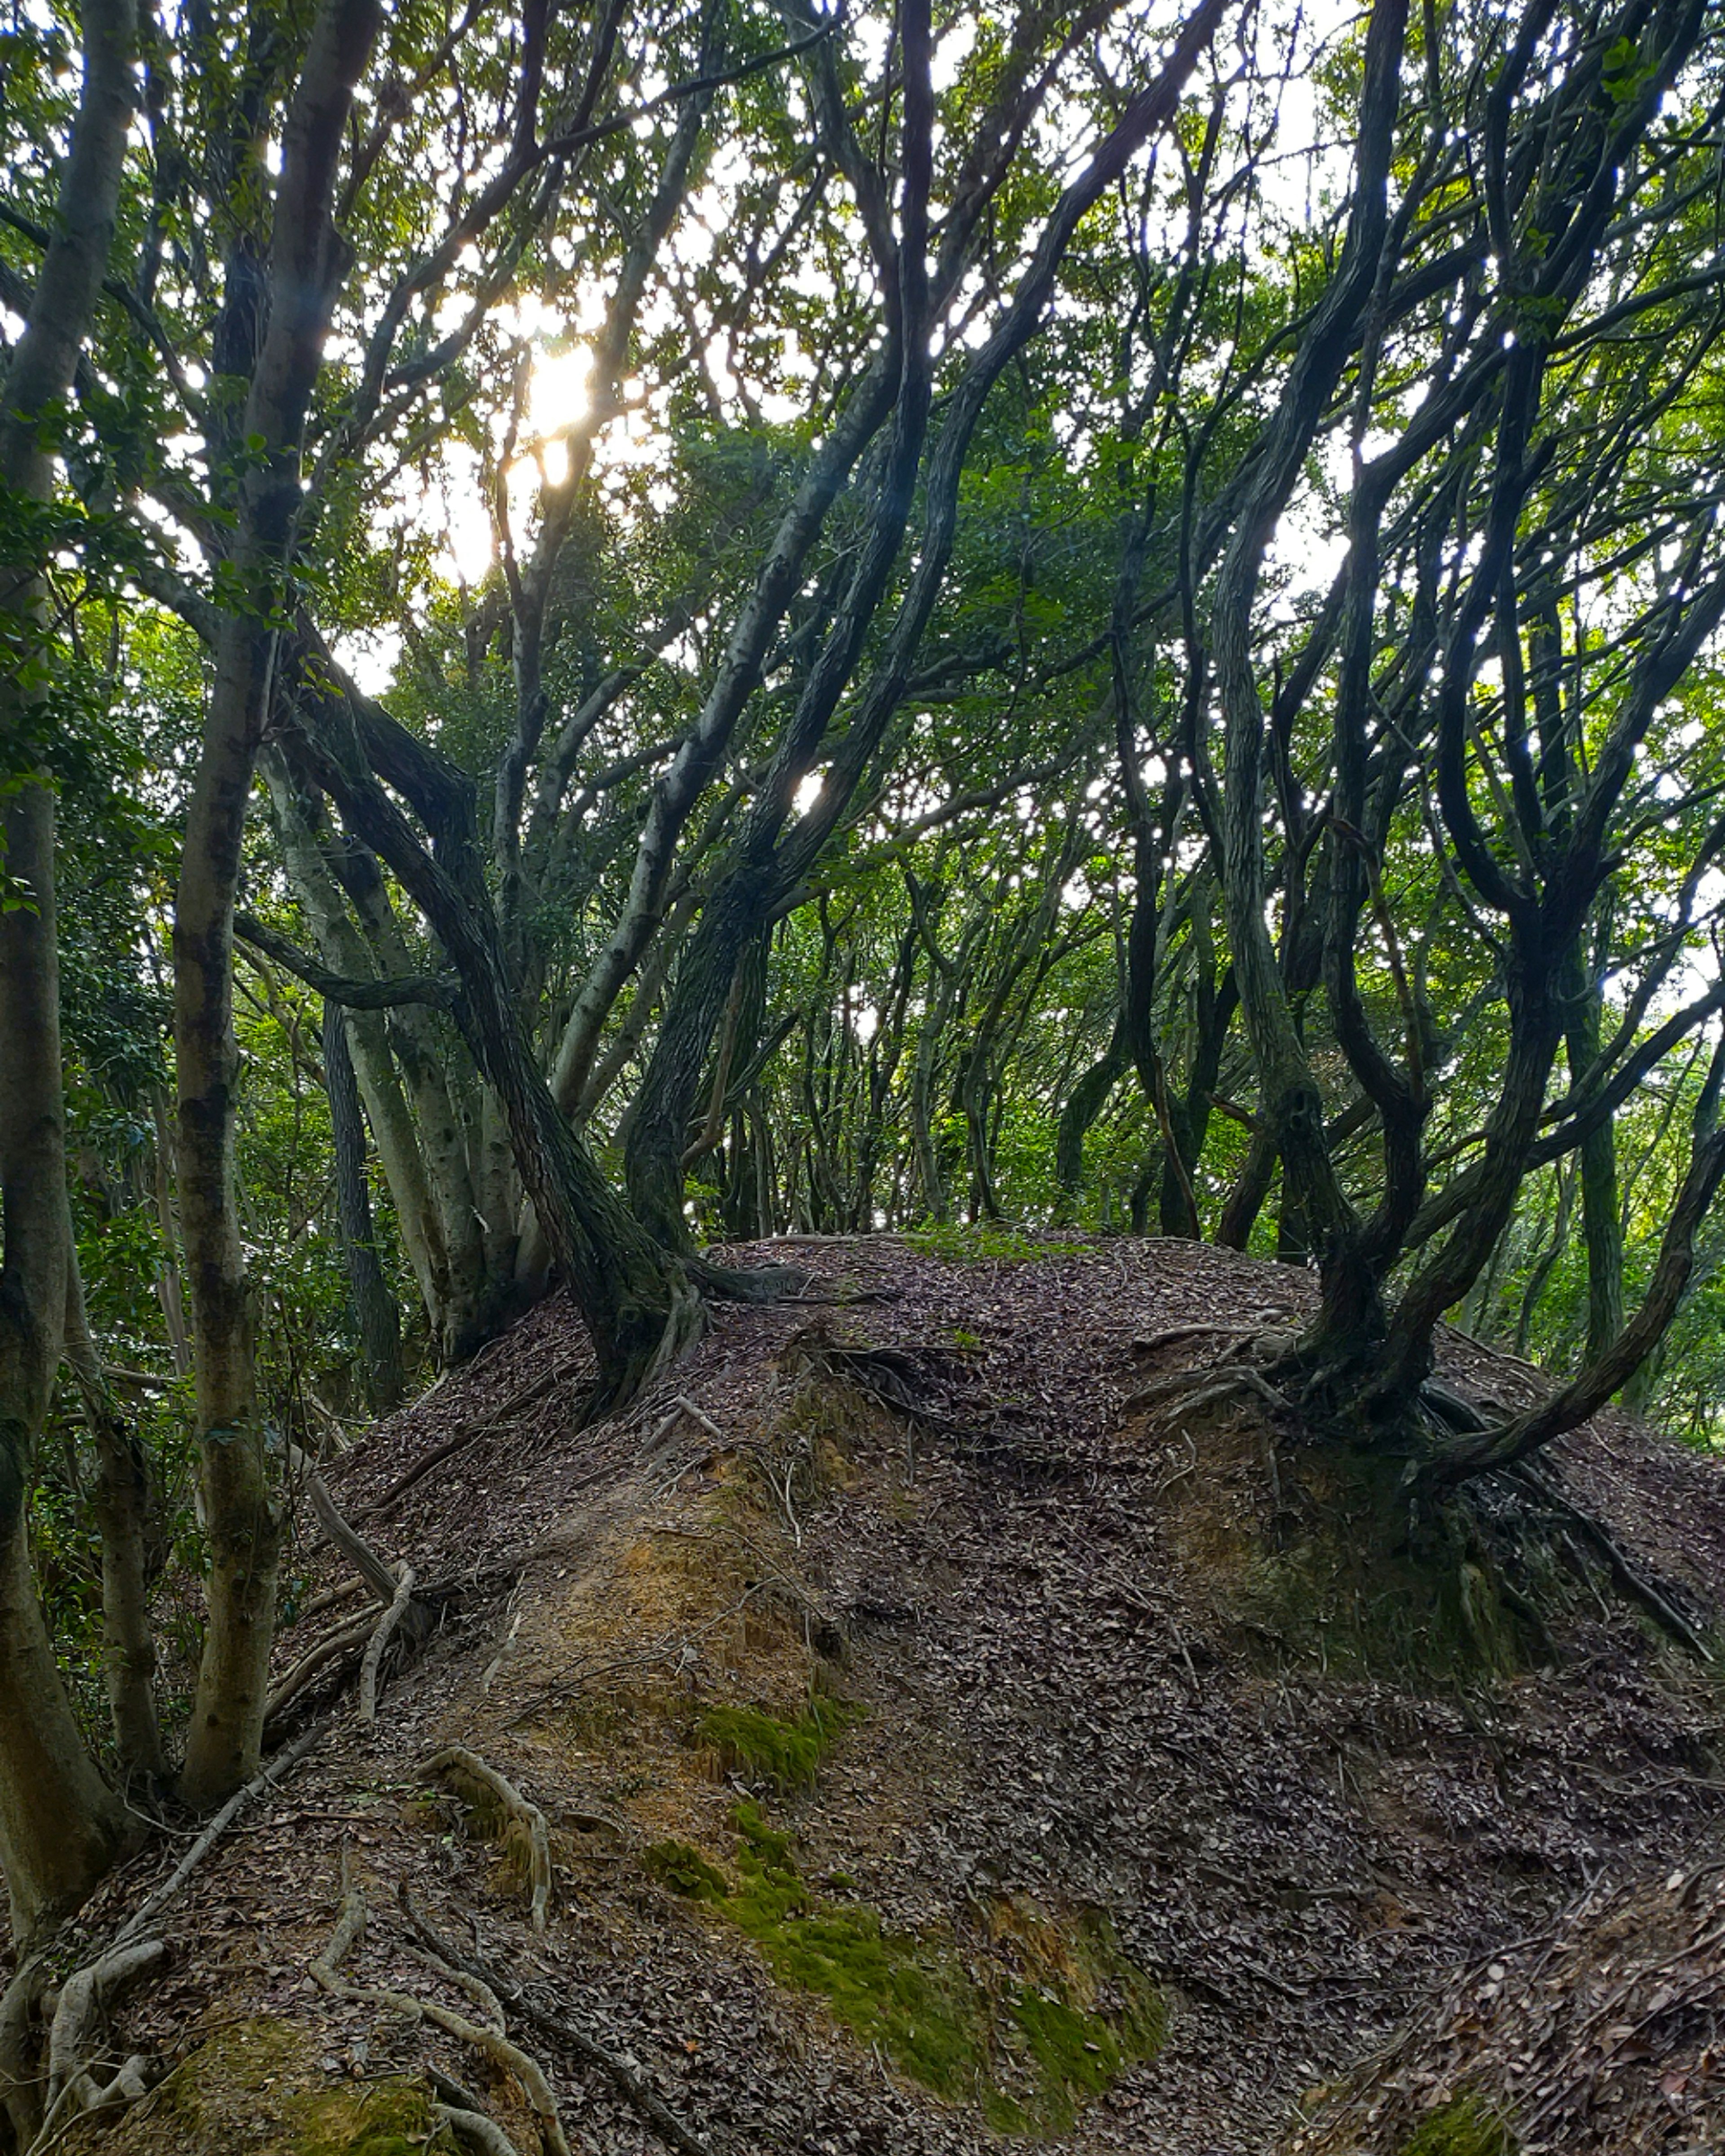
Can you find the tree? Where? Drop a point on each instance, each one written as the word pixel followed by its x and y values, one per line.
pixel 59 1824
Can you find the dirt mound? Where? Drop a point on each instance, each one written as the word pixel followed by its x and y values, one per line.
pixel 929 1750
pixel 1606 2029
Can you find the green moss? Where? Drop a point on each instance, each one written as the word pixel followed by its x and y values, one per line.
pixel 684 1871
pixel 1467 2127
pixel 258 2086
pixel 1029 2056
pixel 784 1756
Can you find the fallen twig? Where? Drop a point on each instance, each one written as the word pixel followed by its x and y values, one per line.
pixel 528 1396
pixel 281 1764
pixel 376 1573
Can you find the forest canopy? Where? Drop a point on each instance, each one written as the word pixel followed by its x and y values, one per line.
pixel 631 631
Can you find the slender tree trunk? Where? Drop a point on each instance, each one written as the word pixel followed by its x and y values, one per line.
pixel 60 1825
pixel 123 1500
pixel 421 1044
pixel 169 1288
pixel 346 951
pixel 1601 1219
pixel 243 1518
pixel 373 1304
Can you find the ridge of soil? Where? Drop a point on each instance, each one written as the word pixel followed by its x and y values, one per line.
pixel 1070 1692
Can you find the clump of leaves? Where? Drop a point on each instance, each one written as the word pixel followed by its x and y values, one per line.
pixel 987 1241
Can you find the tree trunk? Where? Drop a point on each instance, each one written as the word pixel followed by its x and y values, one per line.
pixel 373 1304
pixel 635 1298
pixel 123 1500
pixel 664 1108
pixel 60 1825
pixel 241 1514
pixel 346 951
pixel 1601 1220
pixel 243 1519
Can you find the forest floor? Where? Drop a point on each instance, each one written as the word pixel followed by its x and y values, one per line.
pixel 934 1749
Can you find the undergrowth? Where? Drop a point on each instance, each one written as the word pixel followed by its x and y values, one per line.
pixel 1467 2127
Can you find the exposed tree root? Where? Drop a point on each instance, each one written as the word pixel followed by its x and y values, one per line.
pixel 371 1669
pixel 341 1641
pixel 474 2130
pixel 658 2114
pixel 748 1283
pixel 1638 1589
pixel 1186 1391
pixel 83 2001
pixel 326 1972
pixel 456 1762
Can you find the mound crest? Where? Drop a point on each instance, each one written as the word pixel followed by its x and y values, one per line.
pixel 930 1747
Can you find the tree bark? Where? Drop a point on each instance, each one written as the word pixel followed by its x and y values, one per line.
pixel 243 1518
pixel 1601 1220
pixel 374 1306
pixel 345 950
pixel 60 1825
pixel 123 1501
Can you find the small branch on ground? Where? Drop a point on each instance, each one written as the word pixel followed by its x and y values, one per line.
pixel 281 1765
pixel 529 1396
pixel 377 1572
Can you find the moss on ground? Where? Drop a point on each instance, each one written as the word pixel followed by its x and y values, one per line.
pixel 784 1756
pixel 681 1867
pixel 1029 2054
pixel 255 2087
pixel 1467 2127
